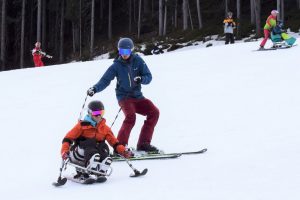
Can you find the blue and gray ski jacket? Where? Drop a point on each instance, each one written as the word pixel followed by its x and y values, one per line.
pixel 126 71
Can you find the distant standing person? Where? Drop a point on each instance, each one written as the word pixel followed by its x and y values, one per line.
pixel 270 24
pixel 131 71
pixel 38 54
pixel 229 25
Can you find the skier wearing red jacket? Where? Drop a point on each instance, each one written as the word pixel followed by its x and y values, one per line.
pixel 38 54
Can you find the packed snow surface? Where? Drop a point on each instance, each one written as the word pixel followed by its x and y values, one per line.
pixel 240 104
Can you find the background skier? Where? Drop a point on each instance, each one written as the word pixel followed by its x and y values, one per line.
pixel 38 54
pixel 270 24
pixel 229 25
pixel 131 71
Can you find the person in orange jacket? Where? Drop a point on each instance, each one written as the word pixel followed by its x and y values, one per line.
pixel 85 143
pixel 38 54
pixel 270 24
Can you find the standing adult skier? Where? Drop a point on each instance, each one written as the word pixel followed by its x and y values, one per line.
pixel 131 71
pixel 38 54
pixel 229 25
pixel 85 143
pixel 270 24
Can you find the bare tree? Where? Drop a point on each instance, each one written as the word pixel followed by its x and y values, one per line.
pixel 92 28
pixel 39 20
pixel 80 28
pixel 175 14
pixel 44 24
pixel 279 9
pixel 109 19
pixel 185 14
pixel 130 16
pixel 199 15
pixel 3 34
pixel 238 16
pixel 101 9
pixel 226 7
pixel 252 11
pixel 160 18
pixel 62 16
pixel 282 10
pixel 257 17
pixel 146 7
pixel 165 19
pixel 22 34
pixel 139 18
pixel 191 20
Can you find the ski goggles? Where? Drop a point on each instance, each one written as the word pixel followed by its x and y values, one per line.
pixel 98 113
pixel 124 52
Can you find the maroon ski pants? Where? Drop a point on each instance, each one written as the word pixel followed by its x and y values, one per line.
pixel 143 107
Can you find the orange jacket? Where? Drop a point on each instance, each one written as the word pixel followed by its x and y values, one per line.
pixel 84 129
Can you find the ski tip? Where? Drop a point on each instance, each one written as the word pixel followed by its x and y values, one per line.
pixel 204 150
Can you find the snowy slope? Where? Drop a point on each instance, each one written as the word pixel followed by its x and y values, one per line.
pixel 242 105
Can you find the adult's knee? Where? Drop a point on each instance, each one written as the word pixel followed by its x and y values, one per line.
pixel 130 118
pixel 154 115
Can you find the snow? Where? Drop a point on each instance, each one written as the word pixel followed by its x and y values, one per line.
pixel 241 105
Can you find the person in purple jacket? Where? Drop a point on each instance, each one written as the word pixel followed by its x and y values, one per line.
pixel 131 71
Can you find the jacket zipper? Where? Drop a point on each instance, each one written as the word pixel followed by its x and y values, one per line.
pixel 129 79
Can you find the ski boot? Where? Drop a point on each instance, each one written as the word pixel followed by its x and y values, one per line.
pixel 150 149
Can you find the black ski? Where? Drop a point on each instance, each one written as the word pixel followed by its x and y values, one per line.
pixel 191 152
pixel 275 48
pixel 162 155
pixel 150 157
pixel 265 49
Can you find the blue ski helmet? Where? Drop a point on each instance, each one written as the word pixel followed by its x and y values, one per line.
pixel 125 46
pixel 125 43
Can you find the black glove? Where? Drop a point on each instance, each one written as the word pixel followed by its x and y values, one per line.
pixel 91 91
pixel 137 79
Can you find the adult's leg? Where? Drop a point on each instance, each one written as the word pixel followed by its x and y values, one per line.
pixel 147 108
pixel 266 34
pixel 128 109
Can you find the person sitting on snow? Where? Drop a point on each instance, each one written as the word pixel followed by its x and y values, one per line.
pixel 280 38
pixel 85 143
pixel 278 28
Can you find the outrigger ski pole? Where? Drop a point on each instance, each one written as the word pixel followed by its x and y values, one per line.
pixel 136 172
pixel 61 181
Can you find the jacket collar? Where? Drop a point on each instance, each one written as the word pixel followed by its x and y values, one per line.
pixel 87 118
pixel 122 61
